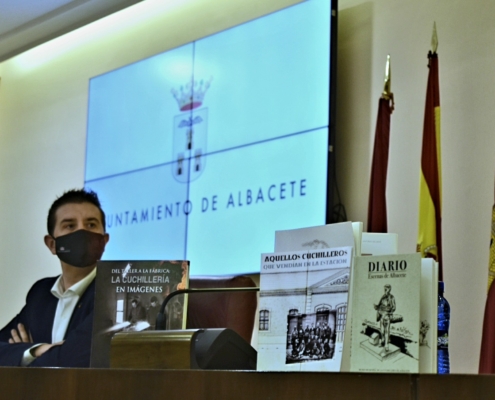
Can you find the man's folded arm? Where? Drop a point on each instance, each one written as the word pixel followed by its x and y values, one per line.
pixel 11 353
pixel 74 352
pixel 15 354
pixel 5 332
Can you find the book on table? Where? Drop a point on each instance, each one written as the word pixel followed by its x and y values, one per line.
pixel 326 236
pixel 303 309
pixel 128 297
pixel 385 324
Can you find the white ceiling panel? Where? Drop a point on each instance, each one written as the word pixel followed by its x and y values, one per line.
pixel 27 23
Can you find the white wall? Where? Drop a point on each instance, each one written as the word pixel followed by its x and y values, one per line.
pixel 368 31
pixel 43 104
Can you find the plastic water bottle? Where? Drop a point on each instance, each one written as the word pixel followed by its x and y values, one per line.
pixel 443 361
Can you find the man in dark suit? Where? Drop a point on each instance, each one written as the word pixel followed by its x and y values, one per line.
pixel 153 311
pixel 55 326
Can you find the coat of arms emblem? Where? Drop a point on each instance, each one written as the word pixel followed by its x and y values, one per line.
pixel 190 131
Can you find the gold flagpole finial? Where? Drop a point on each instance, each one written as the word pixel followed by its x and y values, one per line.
pixel 387 85
pixel 434 39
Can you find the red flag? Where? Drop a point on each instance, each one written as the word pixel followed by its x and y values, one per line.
pixel 377 202
pixel 487 354
pixel 430 212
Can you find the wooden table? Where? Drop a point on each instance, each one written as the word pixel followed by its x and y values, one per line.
pixel 62 383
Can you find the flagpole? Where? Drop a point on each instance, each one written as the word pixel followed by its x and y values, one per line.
pixel 387 85
pixel 434 39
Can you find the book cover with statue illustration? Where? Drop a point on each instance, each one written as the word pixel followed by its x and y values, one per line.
pixel 386 313
pixel 128 297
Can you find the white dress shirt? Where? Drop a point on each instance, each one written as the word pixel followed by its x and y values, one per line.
pixel 67 302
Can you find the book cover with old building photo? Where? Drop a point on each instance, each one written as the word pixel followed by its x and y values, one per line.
pixel 303 309
pixel 128 297
pixel 386 313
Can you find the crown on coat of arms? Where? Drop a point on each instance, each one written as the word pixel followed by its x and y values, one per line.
pixel 191 95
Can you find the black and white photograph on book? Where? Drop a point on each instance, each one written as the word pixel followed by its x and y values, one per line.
pixel 310 337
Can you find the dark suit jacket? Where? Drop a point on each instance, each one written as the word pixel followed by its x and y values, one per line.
pixel 37 316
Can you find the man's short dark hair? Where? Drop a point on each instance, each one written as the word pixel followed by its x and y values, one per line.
pixel 73 196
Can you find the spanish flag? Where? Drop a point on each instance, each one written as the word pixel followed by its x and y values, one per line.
pixel 377 203
pixel 430 192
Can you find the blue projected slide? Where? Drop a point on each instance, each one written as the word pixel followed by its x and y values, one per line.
pixel 202 152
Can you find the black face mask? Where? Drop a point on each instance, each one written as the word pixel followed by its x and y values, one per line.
pixel 81 248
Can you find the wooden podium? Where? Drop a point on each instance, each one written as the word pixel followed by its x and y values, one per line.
pixel 66 383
